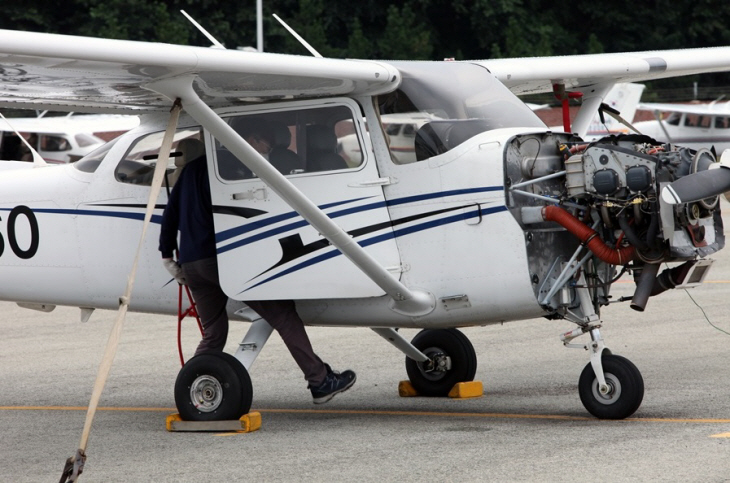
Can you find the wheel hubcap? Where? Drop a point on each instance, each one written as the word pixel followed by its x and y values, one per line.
pixel 614 390
pixel 206 394
pixel 437 365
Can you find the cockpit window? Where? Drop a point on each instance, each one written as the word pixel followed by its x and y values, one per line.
pixel 448 103
pixel 138 165
pixel 91 161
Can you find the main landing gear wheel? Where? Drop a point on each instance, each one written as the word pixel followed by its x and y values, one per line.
pixel 625 389
pixel 451 359
pixel 213 387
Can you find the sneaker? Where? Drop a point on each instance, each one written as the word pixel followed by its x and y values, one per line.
pixel 334 383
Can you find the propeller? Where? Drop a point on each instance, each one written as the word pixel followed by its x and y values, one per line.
pixel 700 185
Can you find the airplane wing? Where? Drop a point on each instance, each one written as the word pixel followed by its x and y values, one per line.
pixel 538 74
pixel 705 108
pixel 60 72
pixel 102 75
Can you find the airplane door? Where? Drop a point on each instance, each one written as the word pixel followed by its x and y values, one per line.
pixel 265 249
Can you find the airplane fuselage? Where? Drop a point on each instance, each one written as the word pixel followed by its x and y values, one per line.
pixel 70 238
pixel 464 224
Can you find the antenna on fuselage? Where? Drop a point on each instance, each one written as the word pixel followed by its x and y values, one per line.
pixel 298 37
pixel 37 158
pixel 216 44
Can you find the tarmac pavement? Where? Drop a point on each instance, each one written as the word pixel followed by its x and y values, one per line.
pixel 529 426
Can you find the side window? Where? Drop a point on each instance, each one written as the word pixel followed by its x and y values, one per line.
pixel 691 120
pixel 12 148
pixel 674 118
pixel 138 165
pixel 54 143
pixel 697 120
pixel 294 141
pixel 722 122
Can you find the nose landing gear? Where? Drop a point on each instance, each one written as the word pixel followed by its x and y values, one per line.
pixel 623 391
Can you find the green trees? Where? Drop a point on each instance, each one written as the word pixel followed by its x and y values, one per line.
pixel 418 29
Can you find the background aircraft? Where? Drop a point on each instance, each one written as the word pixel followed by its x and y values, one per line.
pixel 696 125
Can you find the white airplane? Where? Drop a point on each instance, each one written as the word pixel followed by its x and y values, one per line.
pixel 498 219
pixel 693 125
pixel 61 139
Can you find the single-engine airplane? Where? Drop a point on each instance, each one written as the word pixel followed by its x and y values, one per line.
pixel 695 126
pixel 497 218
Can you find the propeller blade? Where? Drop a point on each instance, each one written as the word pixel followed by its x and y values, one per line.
pixel 697 186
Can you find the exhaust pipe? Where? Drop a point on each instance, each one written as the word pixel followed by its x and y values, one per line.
pixel 645 286
pixel 649 285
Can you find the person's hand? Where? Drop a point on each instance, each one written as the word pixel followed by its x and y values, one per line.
pixel 175 270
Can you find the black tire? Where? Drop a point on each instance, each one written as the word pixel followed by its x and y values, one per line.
pixel 213 387
pixel 627 389
pixel 451 343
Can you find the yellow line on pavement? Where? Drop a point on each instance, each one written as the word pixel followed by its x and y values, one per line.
pixel 721 435
pixel 375 412
pixel 81 408
pixel 706 281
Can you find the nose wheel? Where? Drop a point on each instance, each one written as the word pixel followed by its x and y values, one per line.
pixel 451 359
pixel 213 387
pixel 622 394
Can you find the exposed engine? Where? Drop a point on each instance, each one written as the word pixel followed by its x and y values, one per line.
pixel 606 197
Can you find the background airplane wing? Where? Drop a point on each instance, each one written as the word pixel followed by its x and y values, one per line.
pixel 59 72
pixel 712 108
pixel 577 72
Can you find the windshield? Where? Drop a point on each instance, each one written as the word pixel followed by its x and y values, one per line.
pixel 91 161
pixel 451 102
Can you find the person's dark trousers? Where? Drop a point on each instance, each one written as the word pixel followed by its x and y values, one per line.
pixel 202 278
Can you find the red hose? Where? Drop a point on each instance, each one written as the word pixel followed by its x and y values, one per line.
pixel 191 311
pixel 588 236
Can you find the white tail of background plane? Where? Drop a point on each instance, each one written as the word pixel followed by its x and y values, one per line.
pixel 623 97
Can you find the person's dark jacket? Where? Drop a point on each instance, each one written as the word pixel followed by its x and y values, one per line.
pixel 190 211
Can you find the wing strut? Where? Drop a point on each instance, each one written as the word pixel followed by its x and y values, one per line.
pixel 37 158
pixel 404 301
pixel 592 99
pixel 658 116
